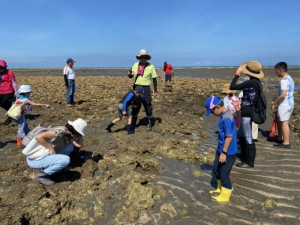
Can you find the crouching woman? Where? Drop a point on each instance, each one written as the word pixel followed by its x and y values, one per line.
pixel 49 151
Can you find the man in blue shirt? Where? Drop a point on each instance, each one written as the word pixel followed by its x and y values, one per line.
pixel 226 150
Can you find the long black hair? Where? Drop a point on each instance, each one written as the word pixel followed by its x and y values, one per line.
pixel 72 130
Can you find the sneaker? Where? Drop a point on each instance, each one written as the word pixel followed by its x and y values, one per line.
pixel 149 127
pixel 281 145
pixel 243 165
pixel 44 178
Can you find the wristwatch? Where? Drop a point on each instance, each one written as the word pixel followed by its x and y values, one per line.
pixel 224 152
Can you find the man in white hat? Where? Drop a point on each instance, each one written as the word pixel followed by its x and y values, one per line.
pixel 144 73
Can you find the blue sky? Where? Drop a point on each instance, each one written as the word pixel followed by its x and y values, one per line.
pixel 44 33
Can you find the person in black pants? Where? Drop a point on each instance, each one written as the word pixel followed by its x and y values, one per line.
pixel 250 88
pixel 144 73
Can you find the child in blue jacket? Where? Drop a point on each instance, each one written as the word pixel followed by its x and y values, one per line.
pixel 130 100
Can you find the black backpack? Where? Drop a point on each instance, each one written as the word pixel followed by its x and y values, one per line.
pixel 259 114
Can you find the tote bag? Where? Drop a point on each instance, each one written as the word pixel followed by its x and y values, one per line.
pixel 15 111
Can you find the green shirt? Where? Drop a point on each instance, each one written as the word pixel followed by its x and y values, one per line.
pixel 146 79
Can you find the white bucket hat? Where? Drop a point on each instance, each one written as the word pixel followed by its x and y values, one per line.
pixel 79 125
pixel 23 89
pixel 143 52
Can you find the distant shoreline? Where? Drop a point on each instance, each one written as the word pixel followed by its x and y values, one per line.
pixel 180 67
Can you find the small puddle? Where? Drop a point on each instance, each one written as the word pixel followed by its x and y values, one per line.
pixel 297 87
pixel 187 193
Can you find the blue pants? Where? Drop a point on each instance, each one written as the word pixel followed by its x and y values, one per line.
pixel 23 127
pixel 168 77
pixel 52 163
pixel 70 91
pixel 221 171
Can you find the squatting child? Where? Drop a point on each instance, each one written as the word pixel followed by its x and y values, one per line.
pixel 131 99
pixel 23 96
pixel 226 150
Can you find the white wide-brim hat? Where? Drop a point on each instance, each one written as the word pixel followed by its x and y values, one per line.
pixel 143 52
pixel 79 125
pixel 23 89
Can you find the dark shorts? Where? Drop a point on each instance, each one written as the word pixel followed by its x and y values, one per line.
pixel 168 77
pixel 7 100
pixel 120 110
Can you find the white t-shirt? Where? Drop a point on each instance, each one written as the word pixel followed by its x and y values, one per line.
pixel 287 84
pixel 69 72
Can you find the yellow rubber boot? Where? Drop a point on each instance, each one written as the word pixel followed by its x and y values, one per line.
pixel 224 195
pixel 218 190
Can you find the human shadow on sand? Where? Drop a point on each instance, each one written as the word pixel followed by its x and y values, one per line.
pixel 77 160
pixel 144 121
pixel 120 129
pixel 80 157
pixel 32 116
pixel 2 144
pixel 265 133
pixel 66 176
pixel 81 102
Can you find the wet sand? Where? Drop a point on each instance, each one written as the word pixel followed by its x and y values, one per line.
pixel 158 177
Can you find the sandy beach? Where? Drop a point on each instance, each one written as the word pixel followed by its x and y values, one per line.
pixel 158 177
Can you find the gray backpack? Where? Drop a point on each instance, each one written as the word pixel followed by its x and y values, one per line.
pixel 37 130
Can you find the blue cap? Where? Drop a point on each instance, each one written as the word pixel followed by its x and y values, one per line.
pixel 70 60
pixel 211 102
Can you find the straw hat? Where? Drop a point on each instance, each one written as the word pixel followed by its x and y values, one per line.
pixel 226 89
pixel 143 52
pixel 79 125
pixel 253 68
